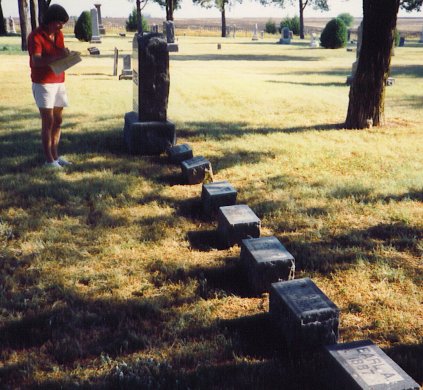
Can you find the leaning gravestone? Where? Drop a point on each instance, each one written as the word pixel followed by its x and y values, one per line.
pixel 95 38
pixel 363 365
pixel 215 195
pixel 285 36
pixel 147 130
pixel 304 315
pixel 236 223
pixel 169 31
pixel 266 261
pixel 127 70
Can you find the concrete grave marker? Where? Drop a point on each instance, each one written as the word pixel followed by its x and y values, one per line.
pixel 194 170
pixel 304 315
pixel 215 195
pixel 363 365
pixel 100 21
pixel 266 261
pixel 236 223
pixel 94 51
pixel 95 38
pixel 169 31
pixel 314 41
pixel 179 153
pixel 255 37
pixel 285 36
pixel 147 130
pixel 127 70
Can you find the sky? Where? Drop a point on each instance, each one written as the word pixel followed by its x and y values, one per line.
pixel 248 8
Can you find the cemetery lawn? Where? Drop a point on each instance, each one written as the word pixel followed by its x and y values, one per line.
pixel 109 275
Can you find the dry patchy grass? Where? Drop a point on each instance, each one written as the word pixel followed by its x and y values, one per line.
pixel 111 277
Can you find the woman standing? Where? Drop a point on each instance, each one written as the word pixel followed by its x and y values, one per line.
pixel 46 45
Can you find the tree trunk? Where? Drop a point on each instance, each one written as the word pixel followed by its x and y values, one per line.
pixel 223 17
pixel 169 9
pixel 3 30
pixel 301 19
pixel 24 22
pixel 42 8
pixel 367 92
pixel 33 6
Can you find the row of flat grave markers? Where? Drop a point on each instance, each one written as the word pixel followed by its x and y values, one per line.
pixel 303 315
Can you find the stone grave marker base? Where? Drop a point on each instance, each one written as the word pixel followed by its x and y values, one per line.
pixel 179 153
pixel 147 138
pixel 266 261
pixel 305 316
pixel 215 195
pixel 194 170
pixel 236 223
pixel 172 47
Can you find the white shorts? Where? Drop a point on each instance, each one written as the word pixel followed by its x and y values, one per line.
pixel 50 95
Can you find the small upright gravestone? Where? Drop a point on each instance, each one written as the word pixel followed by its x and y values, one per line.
pixel 215 195
pixel 285 36
pixel 363 365
pixel 95 38
pixel 236 223
pixel 314 41
pixel 115 61
pixel 11 29
pixel 147 130
pixel 304 315
pixel 266 261
pixel 127 70
pixel 169 31
pixel 234 31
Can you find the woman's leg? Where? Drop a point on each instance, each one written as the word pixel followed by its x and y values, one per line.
pixel 47 121
pixel 56 131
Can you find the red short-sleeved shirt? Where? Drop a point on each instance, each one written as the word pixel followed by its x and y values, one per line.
pixel 39 42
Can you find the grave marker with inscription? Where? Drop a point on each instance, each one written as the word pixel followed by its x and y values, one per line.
pixel 215 195
pixel 179 153
pixel 101 28
pixel 363 365
pixel 127 70
pixel 169 32
pixel 236 223
pixel 194 169
pixel 266 261
pixel 304 315
pixel 285 36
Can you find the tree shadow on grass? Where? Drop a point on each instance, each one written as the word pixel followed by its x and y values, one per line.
pixel 415 71
pixel 227 131
pixel 329 84
pixel 243 57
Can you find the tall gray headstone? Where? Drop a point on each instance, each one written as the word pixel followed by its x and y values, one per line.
pixel 169 31
pixel 147 130
pixel 100 21
pixel 305 317
pixel 285 36
pixel 363 365
pixel 95 38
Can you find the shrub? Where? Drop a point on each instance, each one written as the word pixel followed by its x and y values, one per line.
pixel 83 28
pixel 292 23
pixel 334 35
pixel 270 27
pixel 347 18
pixel 131 23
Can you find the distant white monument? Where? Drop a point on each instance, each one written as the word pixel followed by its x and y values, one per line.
pixel 255 37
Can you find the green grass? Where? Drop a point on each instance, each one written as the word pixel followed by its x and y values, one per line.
pixel 109 274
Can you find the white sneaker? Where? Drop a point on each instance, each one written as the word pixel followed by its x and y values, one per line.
pixel 63 162
pixel 53 165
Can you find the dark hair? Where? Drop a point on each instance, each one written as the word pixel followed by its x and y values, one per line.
pixel 55 13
